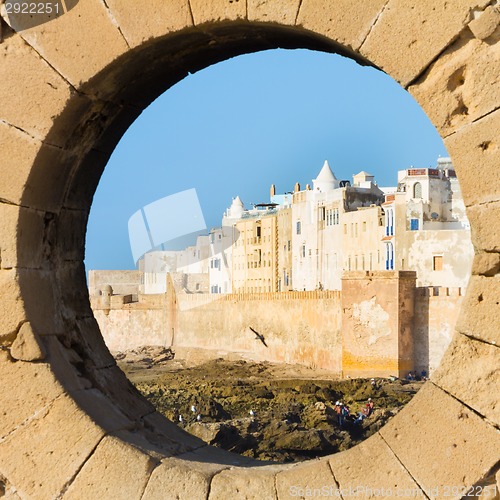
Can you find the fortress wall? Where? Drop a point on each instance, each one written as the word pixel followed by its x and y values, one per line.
pixel 122 282
pixel 436 314
pixel 125 329
pixel 297 327
pixel 126 325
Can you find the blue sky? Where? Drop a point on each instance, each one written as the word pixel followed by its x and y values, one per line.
pixel 237 127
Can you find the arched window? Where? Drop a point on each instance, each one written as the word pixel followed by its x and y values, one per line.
pixel 417 190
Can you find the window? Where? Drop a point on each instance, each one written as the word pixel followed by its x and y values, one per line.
pixel 345 228
pixel 298 227
pixel 321 213
pixel 389 259
pixel 289 245
pixel 303 250
pixel 364 226
pixel 437 263
pixel 413 224
pixel 417 190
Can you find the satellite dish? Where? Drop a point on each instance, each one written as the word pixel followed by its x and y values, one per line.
pixel 434 215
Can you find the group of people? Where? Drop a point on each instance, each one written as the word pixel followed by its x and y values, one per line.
pixel 343 413
pixel 413 375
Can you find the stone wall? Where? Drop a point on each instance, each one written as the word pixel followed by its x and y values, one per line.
pixel 377 321
pixel 296 327
pixel 122 282
pixel 379 325
pixel 436 314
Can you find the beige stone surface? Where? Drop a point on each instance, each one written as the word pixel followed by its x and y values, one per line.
pixel 475 150
pixel 217 10
pixel 43 455
pixel 28 345
pixel 104 475
pixel 87 29
pixel 188 476
pixel 43 93
pixel 485 25
pixel 478 384
pixel 17 406
pixel 141 21
pixel 116 386
pixel 344 21
pixel 461 86
pixel 47 440
pixel 368 481
pixel 12 309
pixel 30 226
pixel 273 11
pixel 480 316
pixel 419 31
pixel 300 480
pixel 486 264
pixel 485 226
pixel 21 180
pixel 245 483
pixel 441 442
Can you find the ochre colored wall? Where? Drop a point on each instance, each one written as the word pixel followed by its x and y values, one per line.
pixel 377 322
pixel 298 327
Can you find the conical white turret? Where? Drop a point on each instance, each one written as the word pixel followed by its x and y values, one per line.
pixel 325 181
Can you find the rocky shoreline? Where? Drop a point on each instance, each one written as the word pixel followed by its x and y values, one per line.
pixel 265 411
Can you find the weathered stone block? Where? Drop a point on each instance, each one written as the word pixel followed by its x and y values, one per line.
pixel 115 470
pixel 28 345
pixel 486 23
pixel 32 174
pixel 301 479
pixel 41 301
pixel 366 479
pixel 460 87
pixel 485 226
pixel 189 475
pixel 22 239
pixel 71 281
pixel 218 10
pixel 71 232
pixel 486 264
pixel 273 11
pixel 44 454
pixel 344 21
pixel 480 315
pixel 64 363
pixel 27 388
pixel 140 22
pixel 87 29
pixel 408 35
pixel 12 309
pixel 475 150
pixel 477 386
pixel 442 431
pixel 42 95
pixel 248 483
pixel 116 386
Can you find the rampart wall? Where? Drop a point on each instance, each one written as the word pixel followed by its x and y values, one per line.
pixel 362 331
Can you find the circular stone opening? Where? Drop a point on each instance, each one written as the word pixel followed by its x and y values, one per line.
pixel 180 357
pixel 85 407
